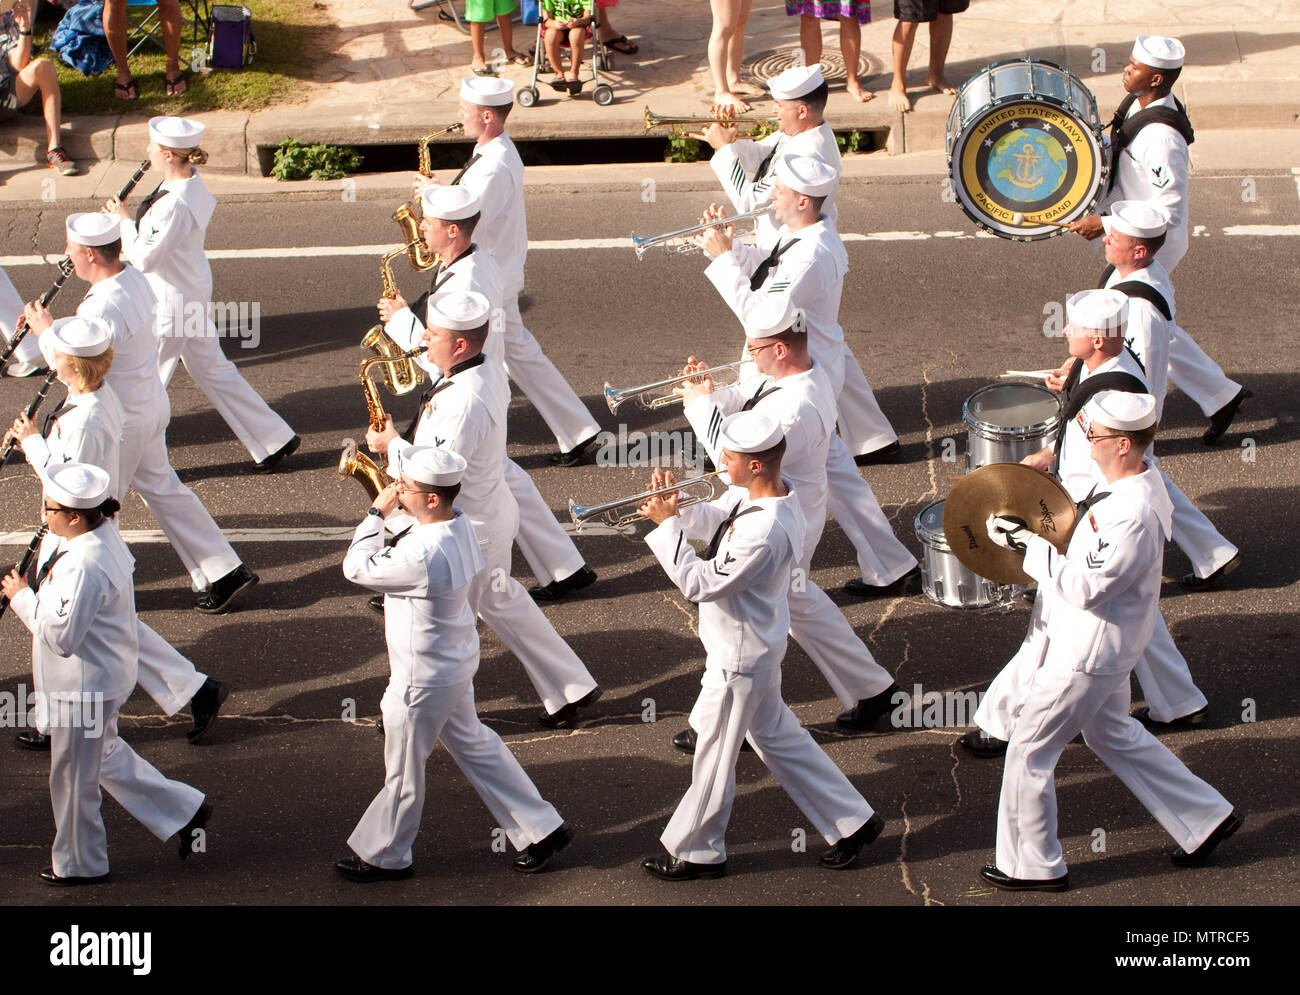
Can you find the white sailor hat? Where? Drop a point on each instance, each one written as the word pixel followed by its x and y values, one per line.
pixel 93 229
pixel 1159 52
pixel 448 203
pixel 433 466
pixel 76 337
pixel 807 174
pixel 1121 410
pixel 1097 310
pixel 1136 218
pixel 486 91
pixel 749 432
pixel 175 132
pixel 774 316
pixel 458 311
pixel 75 485
pixel 796 82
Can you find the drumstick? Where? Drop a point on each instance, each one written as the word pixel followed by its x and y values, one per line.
pixel 1019 219
pixel 1026 374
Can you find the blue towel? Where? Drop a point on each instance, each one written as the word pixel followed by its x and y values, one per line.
pixel 79 39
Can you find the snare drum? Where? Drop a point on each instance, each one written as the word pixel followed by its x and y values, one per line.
pixel 1024 137
pixel 1005 422
pixel 943 578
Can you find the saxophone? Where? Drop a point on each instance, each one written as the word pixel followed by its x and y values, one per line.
pixel 417 253
pixel 402 376
pixel 353 463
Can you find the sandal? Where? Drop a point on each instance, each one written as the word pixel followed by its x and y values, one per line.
pixel 485 71
pixel 176 85
pixel 621 44
pixel 127 90
pixel 522 60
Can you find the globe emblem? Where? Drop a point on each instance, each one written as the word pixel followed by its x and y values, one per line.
pixel 1027 165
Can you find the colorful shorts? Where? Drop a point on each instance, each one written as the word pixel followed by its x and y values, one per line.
pixel 831 10
pixel 481 11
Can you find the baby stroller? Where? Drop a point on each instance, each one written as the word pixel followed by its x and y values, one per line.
pixel 603 94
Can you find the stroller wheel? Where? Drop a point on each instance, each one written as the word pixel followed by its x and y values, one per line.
pixel 603 95
pixel 527 96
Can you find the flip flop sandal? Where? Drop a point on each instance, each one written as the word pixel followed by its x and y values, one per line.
pixel 126 91
pixel 485 71
pixel 574 86
pixel 172 82
pixel 522 60
pixel 621 44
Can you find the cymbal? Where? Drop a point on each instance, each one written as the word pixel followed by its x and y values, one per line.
pixel 1005 489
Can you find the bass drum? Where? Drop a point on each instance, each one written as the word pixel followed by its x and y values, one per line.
pixel 1024 137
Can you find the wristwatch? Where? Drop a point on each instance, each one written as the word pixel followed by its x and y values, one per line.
pixel 374 511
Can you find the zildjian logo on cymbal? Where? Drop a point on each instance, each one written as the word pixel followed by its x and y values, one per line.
pixel 1046 520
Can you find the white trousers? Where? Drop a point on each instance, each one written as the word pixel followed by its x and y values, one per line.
pixel 80 764
pixel 562 410
pixel 864 425
pixel 189 528
pixel 1197 375
pixel 550 553
pixel 415 720
pixel 555 671
pixel 166 676
pixel 730 706
pixel 1196 535
pixel 882 559
pixel 1058 707
pixel 260 430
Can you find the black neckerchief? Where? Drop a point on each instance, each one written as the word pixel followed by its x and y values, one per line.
pixel 758 396
pixel 1092 498
pixel 148 202
pixel 465 169
pixel 37 577
pixel 716 541
pixel 766 164
pixel 439 385
pixel 1123 129
pixel 63 408
pixel 766 265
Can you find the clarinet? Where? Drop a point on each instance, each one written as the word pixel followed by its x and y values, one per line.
pixel 26 561
pixel 20 330
pixel 31 413
pixel 135 178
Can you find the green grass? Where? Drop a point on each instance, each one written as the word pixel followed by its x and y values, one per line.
pixel 288 33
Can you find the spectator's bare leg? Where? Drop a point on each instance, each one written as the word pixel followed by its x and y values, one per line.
pixel 607 32
pixel 577 42
pixel 507 36
pixel 810 39
pixel 725 15
pixel 904 35
pixel 477 33
pixel 736 49
pixel 169 18
pixel 553 53
pixel 39 75
pixel 115 34
pixel 851 49
pixel 940 39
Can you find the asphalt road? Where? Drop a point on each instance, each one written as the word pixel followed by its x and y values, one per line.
pixel 932 320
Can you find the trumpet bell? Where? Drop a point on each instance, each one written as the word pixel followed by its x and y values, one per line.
pixel 610 514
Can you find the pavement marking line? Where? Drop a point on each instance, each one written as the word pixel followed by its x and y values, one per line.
pixel 569 244
pixel 315 533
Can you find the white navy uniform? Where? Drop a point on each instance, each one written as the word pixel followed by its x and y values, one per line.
pixel 550 553
pixel 83 624
pixel 495 174
pixel 167 246
pixel 744 619
pixel 126 303
pixel 467 415
pixel 1102 608
pixel 88 429
pixel 28 352
pixel 433 653
pixel 1161 670
pixel 1154 168
pixel 804 406
pixel 811 272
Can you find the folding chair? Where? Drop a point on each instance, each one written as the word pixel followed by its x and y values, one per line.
pixel 148 28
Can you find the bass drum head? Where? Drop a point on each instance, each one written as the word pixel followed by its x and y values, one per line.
pixel 1031 149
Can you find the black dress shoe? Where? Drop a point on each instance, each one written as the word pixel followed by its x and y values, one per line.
pixel 1221 419
pixel 377 604
pixel 909 583
pixel 205 705
pixel 49 877
pixel 567 717
pixel 224 591
pixel 670 868
pixel 357 869
pixel 980 743
pixel 1188 721
pixel 557 589
pixel 868 711
pixel 1201 854
pixel 846 851
pixel 31 739
pixel 572 457
pixel 186 834
pixel 277 457
pixel 991 875
pixel 685 741
pixel 534 857
pixel 1193 583
pixel 885 454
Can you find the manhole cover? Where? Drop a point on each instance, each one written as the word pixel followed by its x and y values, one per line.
pixel 769 64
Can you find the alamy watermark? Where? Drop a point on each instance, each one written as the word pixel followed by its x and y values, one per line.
pixel 216 319
pixel 70 710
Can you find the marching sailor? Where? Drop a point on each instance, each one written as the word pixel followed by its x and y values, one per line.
pixel 1102 598
pixel 433 653
pixel 741 584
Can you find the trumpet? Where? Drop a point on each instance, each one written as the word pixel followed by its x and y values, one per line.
pixel 644 243
pixel 652 396
pixel 653 120
pixel 608 514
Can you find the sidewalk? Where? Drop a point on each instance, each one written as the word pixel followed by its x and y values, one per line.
pixel 394 76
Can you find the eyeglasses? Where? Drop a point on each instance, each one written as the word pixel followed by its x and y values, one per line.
pixel 402 485
pixel 53 511
pixel 1098 438
pixel 755 350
